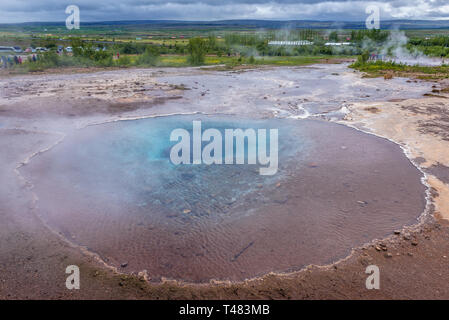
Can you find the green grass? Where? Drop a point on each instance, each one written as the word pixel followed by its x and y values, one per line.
pixel 380 68
pixel 291 61
pixel 181 60
pixel 169 61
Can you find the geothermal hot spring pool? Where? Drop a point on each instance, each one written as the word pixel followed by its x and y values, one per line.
pixel 112 189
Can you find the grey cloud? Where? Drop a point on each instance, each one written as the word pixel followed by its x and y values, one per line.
pixel 107 10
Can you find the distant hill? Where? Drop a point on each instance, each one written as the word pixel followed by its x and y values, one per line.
pixel 254 24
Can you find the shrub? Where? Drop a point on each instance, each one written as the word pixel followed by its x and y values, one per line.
pixel 150 57
pixel 197 51
pixel 123 61
pixel 363 58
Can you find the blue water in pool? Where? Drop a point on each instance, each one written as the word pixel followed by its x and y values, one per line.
pixel 113 189
pixel 132 161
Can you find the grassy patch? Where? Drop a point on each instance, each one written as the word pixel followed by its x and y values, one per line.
pixel 288 61
pixel 385 69
pixel 51 61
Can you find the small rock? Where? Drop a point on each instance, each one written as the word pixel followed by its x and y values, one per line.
pixel 397 232
pixel 388 255
pixel 186 211
pixel 414 243
pixel 143 275
pixel 410 254
pixel 124 264
pixel 378 248
pixel 407 237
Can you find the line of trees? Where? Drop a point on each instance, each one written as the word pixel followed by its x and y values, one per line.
pixel 442 41
pixel 373 34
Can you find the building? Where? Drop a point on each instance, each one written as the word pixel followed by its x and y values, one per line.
pixel 290 43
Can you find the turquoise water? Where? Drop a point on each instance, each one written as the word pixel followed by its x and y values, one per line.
pixel 131 161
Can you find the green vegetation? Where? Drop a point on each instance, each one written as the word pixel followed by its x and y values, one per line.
pixel 139 46
pixel 373 34
pixel 231 50
pixel 381 68
pixel 197 51
pixel 437 46
pixel 151 57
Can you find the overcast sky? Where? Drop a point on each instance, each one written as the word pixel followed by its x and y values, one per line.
pixel 107 10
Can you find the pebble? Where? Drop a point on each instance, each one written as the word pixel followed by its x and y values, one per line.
pixel 388 255
pixel 414 243
pixel 143 275
pixel 124 264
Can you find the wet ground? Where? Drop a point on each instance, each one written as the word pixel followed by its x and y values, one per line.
pixel 287 92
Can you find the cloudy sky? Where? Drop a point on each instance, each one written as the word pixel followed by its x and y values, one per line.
pixel 106 10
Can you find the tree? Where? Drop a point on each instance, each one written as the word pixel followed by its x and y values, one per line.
pixel 197 51
pixel 262 47
pixel 333 36
pixel 149 57
pixel 212 42
pixel 363 58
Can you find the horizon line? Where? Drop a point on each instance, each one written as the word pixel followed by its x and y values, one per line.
pixel 224 20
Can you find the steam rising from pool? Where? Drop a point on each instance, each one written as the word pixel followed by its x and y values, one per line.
pixel 113 189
